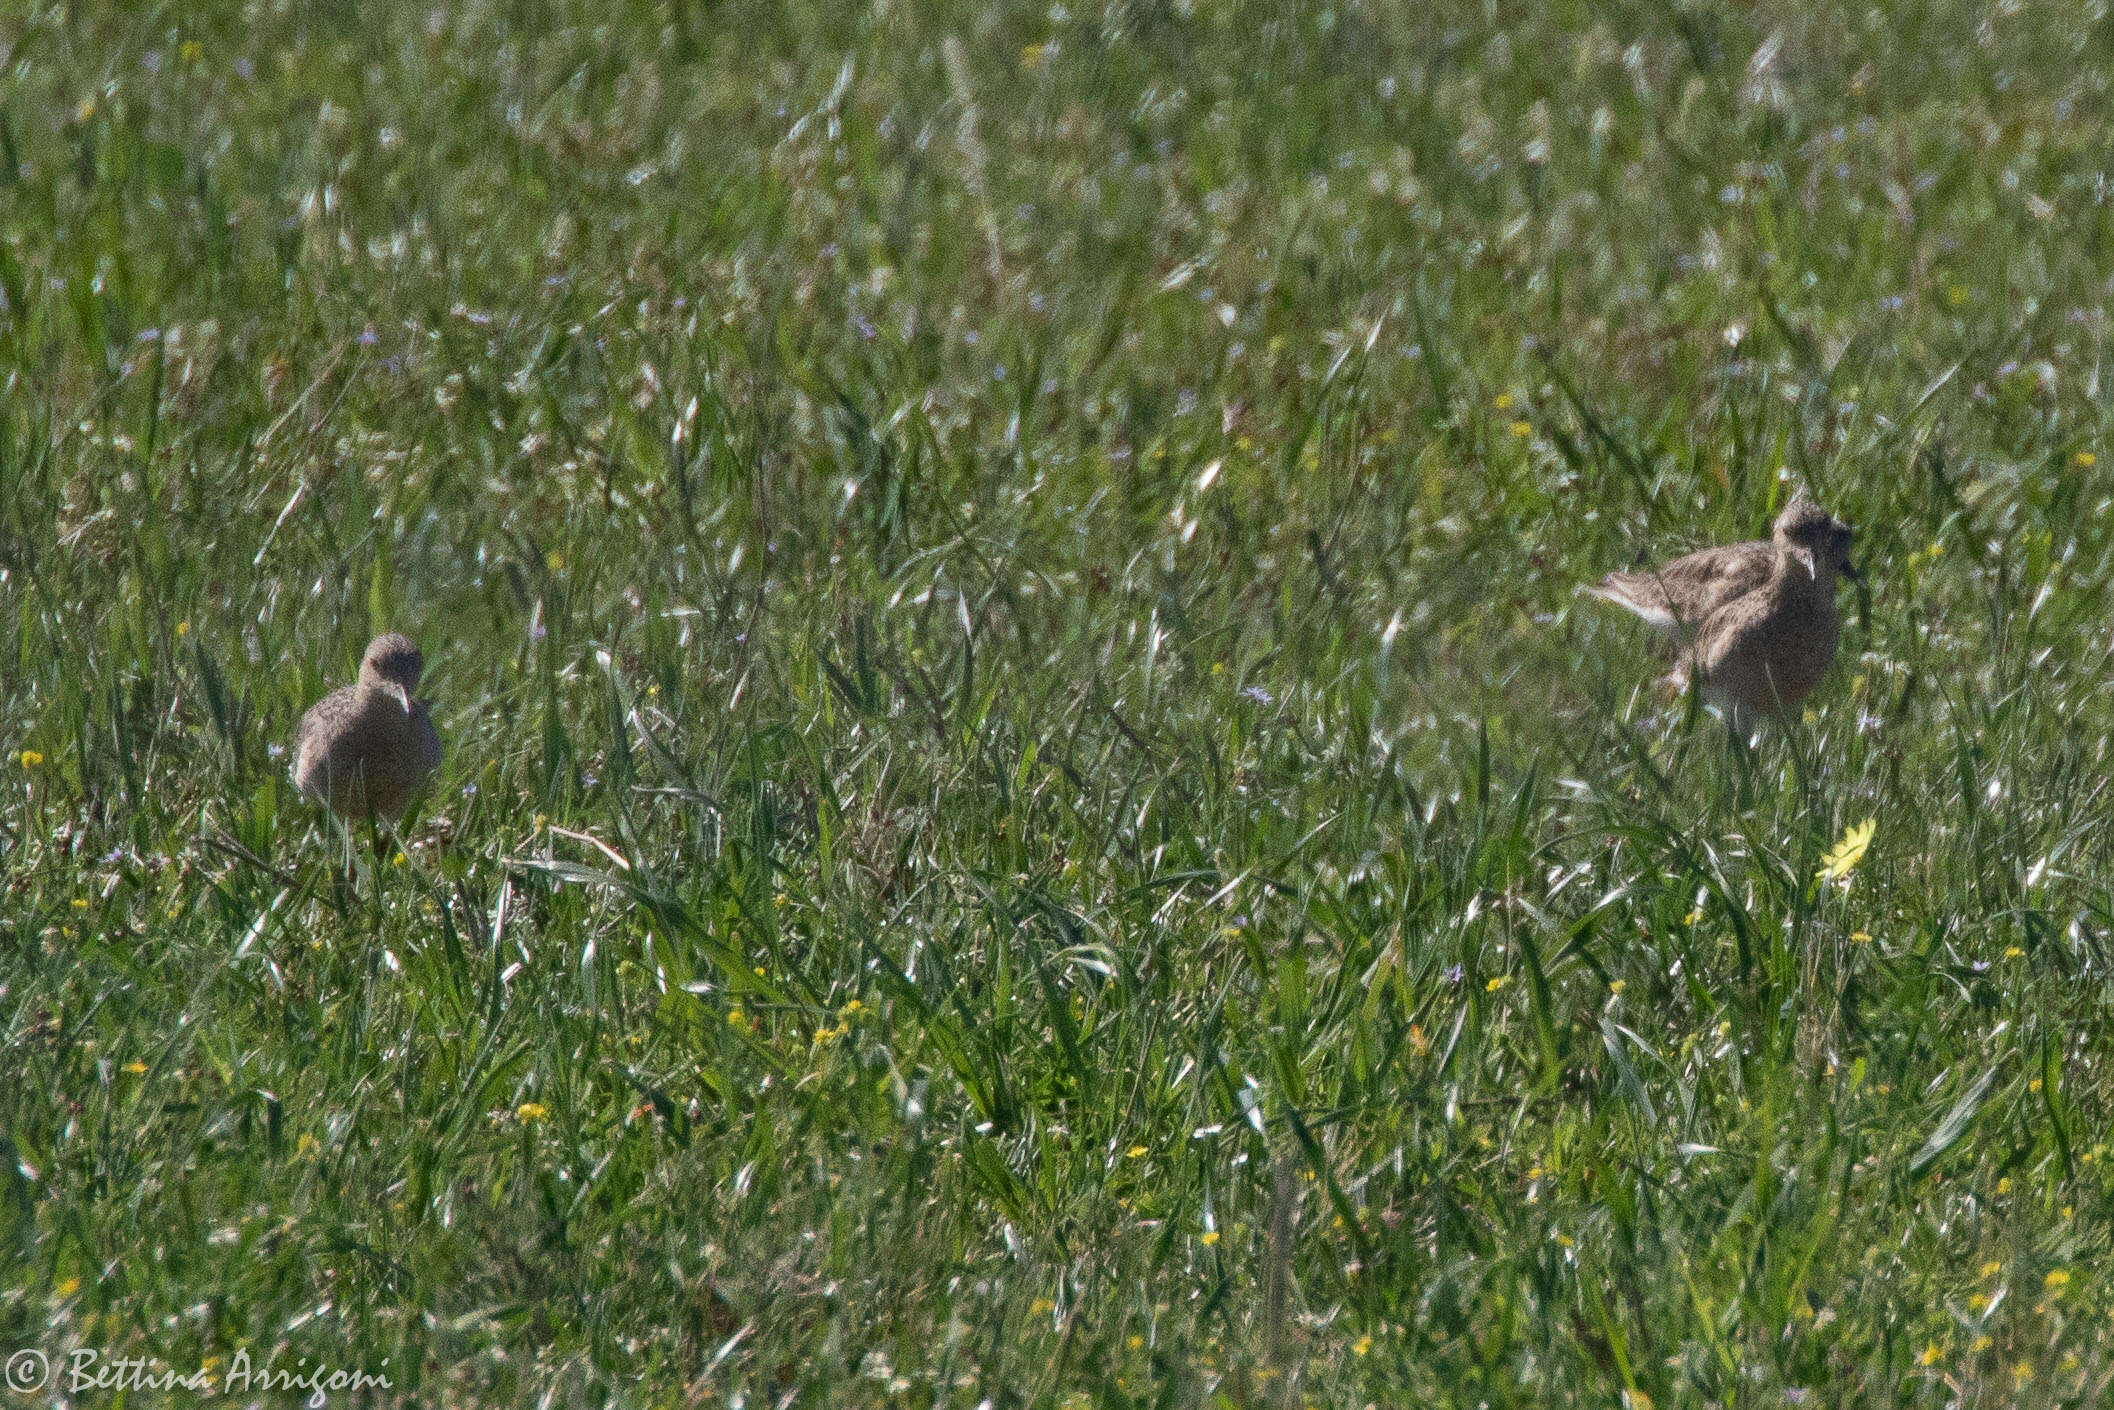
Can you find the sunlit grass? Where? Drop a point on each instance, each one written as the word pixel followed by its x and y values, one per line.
pixel 1029 815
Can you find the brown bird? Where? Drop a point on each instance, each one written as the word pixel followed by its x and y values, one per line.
pixel 365 749
pixel 1755 623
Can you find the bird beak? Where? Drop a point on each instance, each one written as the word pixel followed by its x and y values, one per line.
pixel 402 695
pixel 1805 556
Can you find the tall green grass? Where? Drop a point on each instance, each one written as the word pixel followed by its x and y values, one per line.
pixel 1030 816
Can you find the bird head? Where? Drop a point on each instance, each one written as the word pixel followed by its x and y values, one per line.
pixel 1819 541
pixel 393 663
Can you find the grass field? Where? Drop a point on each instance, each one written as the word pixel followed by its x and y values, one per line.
pixel 1030 816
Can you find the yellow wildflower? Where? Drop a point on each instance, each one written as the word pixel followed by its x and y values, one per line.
pixel 1848 851
pixel 532 1112
pixel 31 758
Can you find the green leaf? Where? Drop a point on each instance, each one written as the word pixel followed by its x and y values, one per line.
pixel 1955 1124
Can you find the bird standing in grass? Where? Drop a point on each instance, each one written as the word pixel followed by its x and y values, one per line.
pixel 1754 623
pixel 364 749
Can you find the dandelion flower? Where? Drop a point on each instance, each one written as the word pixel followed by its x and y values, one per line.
pixel 1849 850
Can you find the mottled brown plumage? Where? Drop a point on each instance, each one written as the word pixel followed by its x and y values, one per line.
pixel 365 749
pixel 1755 622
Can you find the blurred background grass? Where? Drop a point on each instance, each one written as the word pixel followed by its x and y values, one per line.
pixel 1029 819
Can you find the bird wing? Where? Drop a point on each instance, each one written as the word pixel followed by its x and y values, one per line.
pixel 1678 597
pixel 312 738
pixel 1725 633
pixel 428 740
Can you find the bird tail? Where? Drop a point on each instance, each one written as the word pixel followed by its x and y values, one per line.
pixel 1614 589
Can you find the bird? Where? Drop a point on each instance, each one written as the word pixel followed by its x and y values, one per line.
pixel 1754 624
pixel 364 749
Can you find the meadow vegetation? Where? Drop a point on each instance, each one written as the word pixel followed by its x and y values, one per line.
pixel 1031 818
